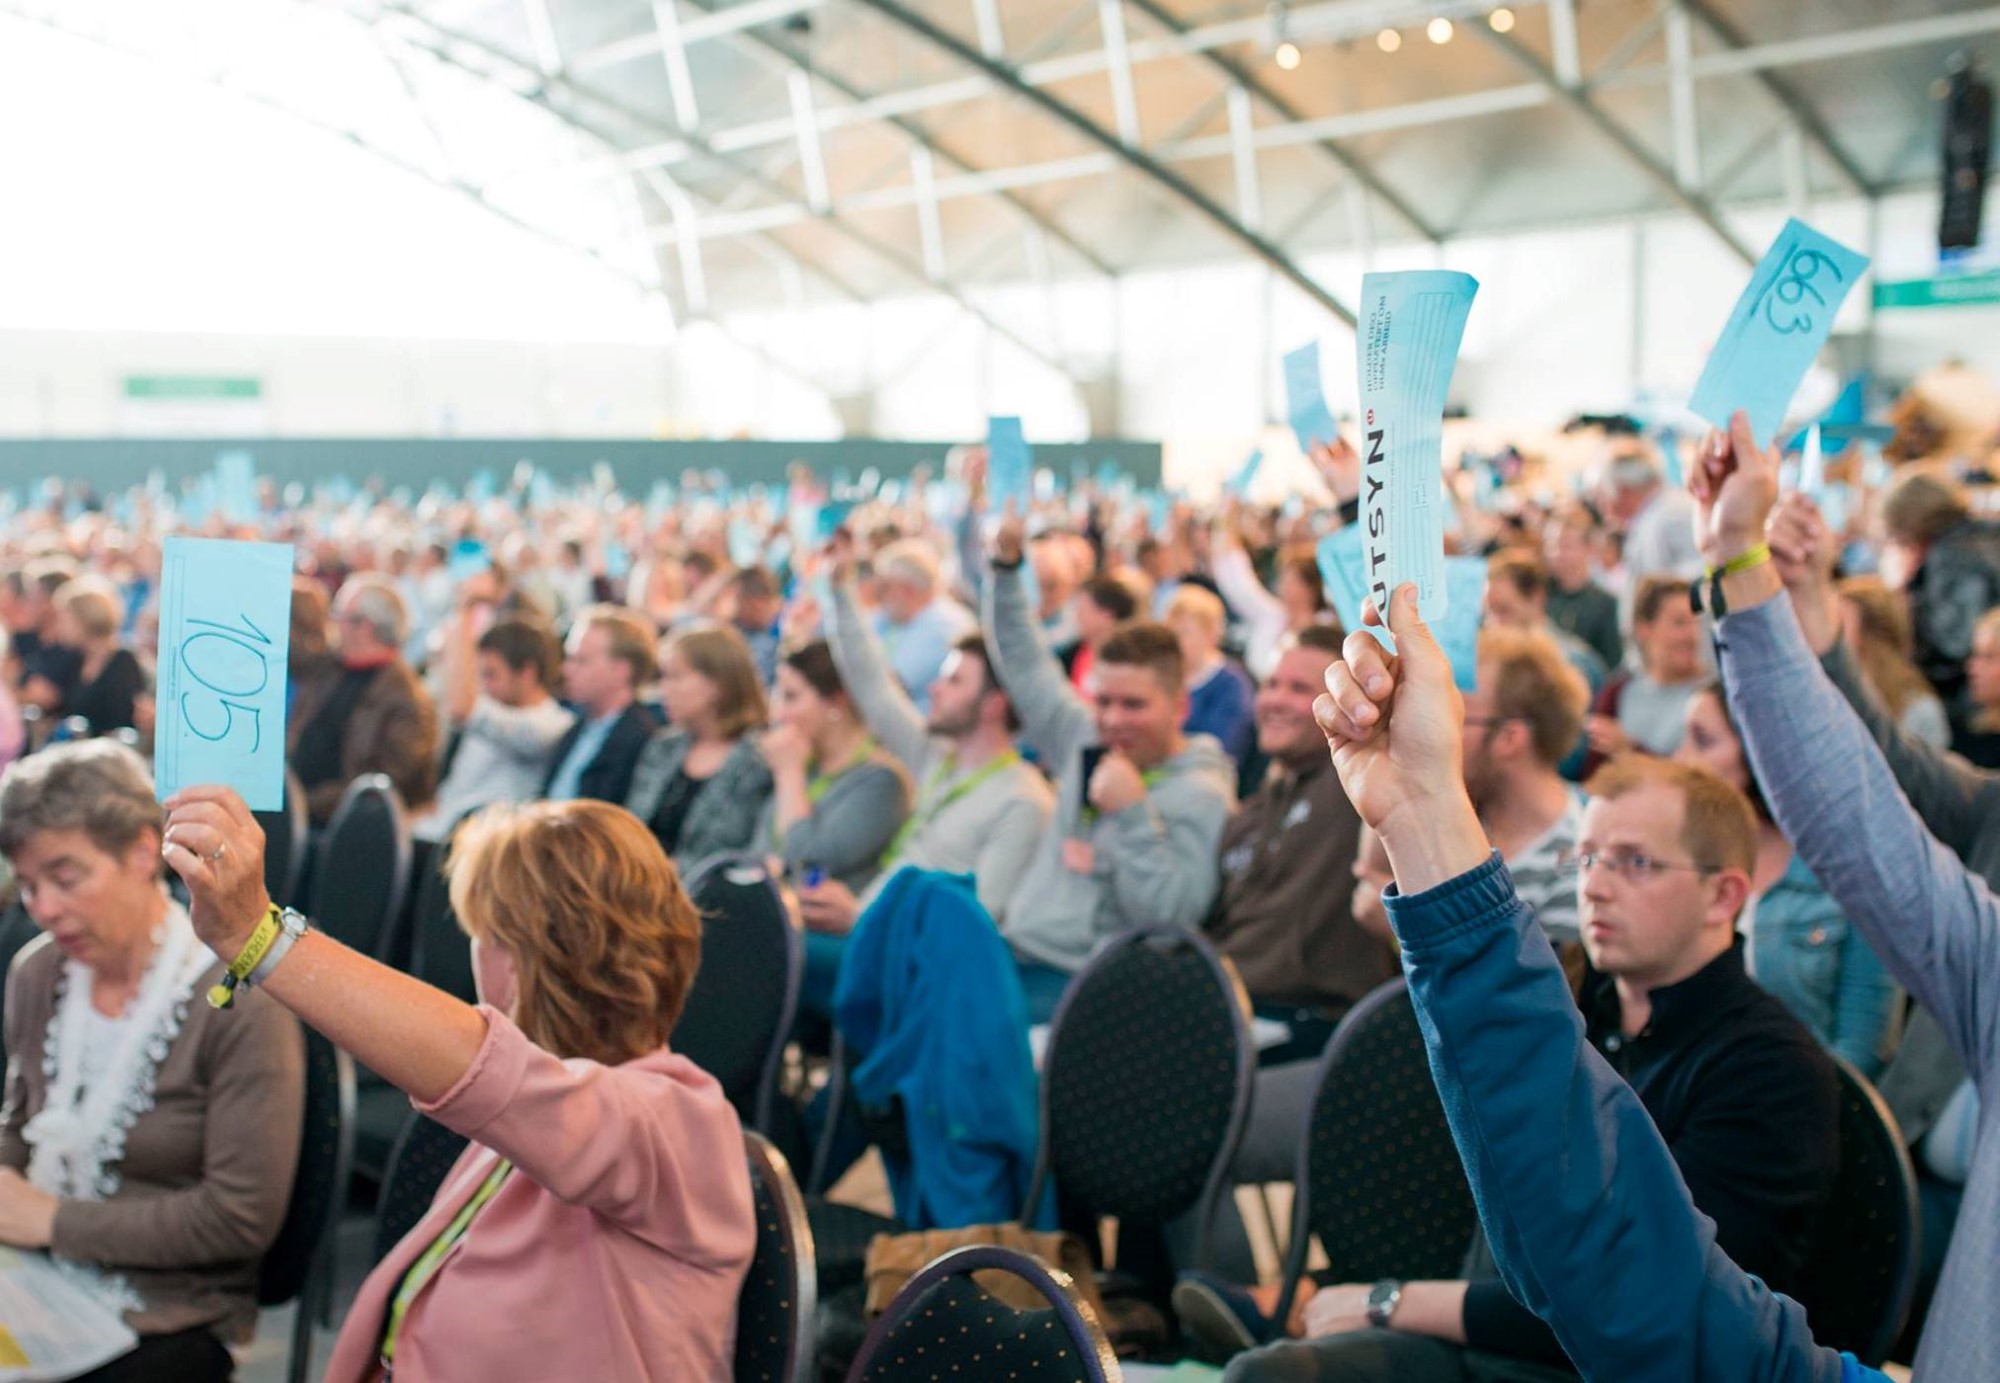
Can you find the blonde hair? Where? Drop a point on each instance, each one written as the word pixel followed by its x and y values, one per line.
pixel 1534 683
pixel 1200 605
pixel 1919 506
pixel 605 941
pixel 93 604
pixel 631 639
pixel 718 653
pixel 1718 825
pixel 1886 650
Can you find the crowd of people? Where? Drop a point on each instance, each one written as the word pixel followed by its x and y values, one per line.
pixel 1108 709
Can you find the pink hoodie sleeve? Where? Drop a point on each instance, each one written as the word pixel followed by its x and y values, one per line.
pixel 651 1144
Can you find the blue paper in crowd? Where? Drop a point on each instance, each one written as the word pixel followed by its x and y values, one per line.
pixel 469 557
pixel 1009 465
pixel 225 630
pixel 1411 325
pixel 1777 329
pixel 1305 398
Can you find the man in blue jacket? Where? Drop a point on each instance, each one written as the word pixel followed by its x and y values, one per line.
pixel 1590 1222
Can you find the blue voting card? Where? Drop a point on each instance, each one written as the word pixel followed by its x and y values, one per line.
pixel 468 558
pixel 1342 558
pixel 1812 464
pixel 236 485
pixel 1239 484
pixel 1778 327
pixel 1305 398
pixel 1159 512
pixel 617 560
pixel 1411 324
pixel 225 630
pixel 1342 568
pixel 831 516
pixel 1009 466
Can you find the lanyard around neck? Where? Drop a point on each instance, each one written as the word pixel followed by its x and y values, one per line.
pixel 931 806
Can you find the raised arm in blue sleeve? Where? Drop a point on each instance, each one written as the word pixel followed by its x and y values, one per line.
pixel 1590 1223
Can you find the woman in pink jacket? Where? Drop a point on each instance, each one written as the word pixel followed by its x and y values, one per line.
pixel 599 1225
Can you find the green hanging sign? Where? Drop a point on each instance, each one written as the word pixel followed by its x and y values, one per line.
pixel 1955 290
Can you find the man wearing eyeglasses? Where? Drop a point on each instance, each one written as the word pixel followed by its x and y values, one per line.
pixel 1744 1098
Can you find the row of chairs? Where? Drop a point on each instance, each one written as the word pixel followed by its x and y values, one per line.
pixel 1379 1184
pixel 1145 1092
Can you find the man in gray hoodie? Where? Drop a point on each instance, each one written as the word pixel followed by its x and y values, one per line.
pixel 1140 807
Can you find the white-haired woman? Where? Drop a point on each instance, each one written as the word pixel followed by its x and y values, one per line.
pixel 146 1135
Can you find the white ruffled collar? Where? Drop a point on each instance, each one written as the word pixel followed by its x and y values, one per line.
pixel 77 1139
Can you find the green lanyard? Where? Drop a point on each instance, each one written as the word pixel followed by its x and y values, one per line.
pixel 1086 814
pixel 426 1266
pixel 820 784
pixel 924 817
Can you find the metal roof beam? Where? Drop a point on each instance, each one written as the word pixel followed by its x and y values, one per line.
pixel 1354 166
pixel 888 254
pixel 1635 153
pixel 1807 117
pixel 1136 159
pixel 919 139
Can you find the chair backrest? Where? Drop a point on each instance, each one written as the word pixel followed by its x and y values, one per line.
pixel 943 1324
pixel 774 1312
pixel 1146 1081
pixel 319 1182
pixel 440 951
pixel 739 1013
pixel 363 865
pixel 286 835
pixel 1861 1267
pixel 424 1152
pixel 1379 1180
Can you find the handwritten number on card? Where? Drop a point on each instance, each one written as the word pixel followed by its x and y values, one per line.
pixel 223 659
pixel 1794 286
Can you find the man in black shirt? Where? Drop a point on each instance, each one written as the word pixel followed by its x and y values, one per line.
pixel 1743 1095
pixel 1576 603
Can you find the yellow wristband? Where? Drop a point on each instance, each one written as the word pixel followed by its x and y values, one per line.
pixel 1742 561
pixel 248 959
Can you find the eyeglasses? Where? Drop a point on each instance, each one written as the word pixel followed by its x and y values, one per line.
pixel 1633 866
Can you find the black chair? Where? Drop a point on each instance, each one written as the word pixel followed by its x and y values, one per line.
pixel 944 1324
pixel 1146 1084
pixel 774 1313
pixel 440 951
pixel 1861 1268
pixel 17 929
pixel 739 1013
pixel 1379 1180
pixel 286 840
pixel 361 870
pixel 299 1264
pixel 424 1152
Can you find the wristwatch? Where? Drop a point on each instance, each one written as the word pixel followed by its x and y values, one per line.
pixel 1382 1299
pixel 291 926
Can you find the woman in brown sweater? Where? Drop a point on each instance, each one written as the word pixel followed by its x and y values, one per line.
pixel 146 1137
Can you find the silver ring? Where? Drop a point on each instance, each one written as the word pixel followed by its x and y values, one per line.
pixel 220 851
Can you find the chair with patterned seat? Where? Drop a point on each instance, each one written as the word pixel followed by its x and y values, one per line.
pixel 774 1313
pixel 299 1265
pixel 1146 1086
pixel 422 1155
pixel 1379 1182
pixel 1858 1276
pixel 945 1323
pixel 739 1012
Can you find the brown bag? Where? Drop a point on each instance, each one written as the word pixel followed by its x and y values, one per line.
pixel 893 1259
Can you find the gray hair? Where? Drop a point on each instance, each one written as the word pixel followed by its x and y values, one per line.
pixel 909 562
pixel 95 786
pixel 376 602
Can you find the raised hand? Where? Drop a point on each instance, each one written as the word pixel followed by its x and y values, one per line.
pixel 216 846
pixel 1804 550
pixel 1009 539
pixel 1339 465
pixel 1735 485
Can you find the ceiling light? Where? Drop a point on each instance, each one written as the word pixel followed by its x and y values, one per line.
pixel 1388 40
pixel 1502 21
pixel 1287 55
pixel 1439 30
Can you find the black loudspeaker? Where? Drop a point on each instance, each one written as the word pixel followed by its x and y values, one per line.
pixel 1968 141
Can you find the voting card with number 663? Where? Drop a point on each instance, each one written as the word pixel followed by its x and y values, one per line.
pixel 225 633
